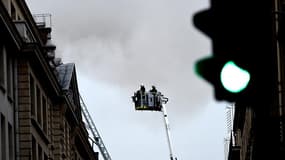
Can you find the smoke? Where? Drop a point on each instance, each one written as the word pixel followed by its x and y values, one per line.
pixel 126 43
pixel 118 45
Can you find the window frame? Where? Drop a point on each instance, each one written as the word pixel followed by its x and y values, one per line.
pixel 3 54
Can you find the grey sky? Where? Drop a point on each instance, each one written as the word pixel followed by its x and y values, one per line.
pixel 119 44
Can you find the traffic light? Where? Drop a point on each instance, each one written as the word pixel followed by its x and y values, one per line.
pixel 243 65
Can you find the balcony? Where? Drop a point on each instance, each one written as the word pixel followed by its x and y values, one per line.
pixel 43 20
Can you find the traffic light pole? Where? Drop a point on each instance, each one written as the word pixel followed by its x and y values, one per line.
pixel 167 128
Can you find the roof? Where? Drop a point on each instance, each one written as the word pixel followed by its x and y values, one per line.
pixel 65 72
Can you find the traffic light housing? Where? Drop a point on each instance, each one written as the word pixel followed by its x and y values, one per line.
pixel 243 47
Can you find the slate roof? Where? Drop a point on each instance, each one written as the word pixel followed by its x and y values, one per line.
pixel 65 72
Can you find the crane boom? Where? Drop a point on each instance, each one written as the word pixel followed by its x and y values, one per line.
pixel 92 129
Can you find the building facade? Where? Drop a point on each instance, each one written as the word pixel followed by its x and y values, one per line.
pixel 39 100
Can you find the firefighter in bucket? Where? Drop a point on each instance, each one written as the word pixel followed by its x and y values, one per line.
pixel 150 100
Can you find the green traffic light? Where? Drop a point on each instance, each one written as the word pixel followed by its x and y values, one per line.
pixel 234 79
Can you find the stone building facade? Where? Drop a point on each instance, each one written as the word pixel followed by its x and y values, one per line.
pixel 40 113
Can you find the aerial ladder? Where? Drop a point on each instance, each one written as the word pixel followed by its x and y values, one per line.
pixel 154 101
pixel 96 138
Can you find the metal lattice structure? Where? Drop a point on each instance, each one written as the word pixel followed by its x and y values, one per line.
pixel 96 138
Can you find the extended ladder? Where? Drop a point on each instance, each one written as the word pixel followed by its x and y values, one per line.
pixel 92 129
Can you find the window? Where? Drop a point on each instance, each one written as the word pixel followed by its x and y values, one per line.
pixel 34 149
pixel 39 106
pixel 32 96
pixel 40 155
pixel 3 137
pixel 50 117
pixel 13 12
pixel 45 157
pixel 10 75
pixel 44 114
pixel 10 138
pixel 2 66
pixel 66 136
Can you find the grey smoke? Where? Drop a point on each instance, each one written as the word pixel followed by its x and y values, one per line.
pixel 126 43
pixel 119 44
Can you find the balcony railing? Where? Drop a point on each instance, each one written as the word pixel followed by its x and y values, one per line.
pixel 43 20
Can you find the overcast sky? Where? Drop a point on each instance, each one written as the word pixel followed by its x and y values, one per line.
pixel 118 45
